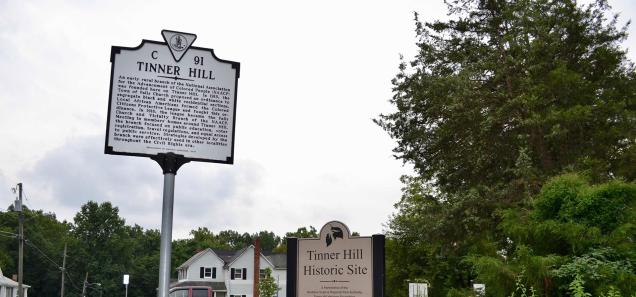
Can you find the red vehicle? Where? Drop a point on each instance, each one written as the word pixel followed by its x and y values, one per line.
pixel 191 291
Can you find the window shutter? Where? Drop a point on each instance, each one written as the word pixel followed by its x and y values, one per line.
pixel 201 272
pixel 213 272
pixel 232 273
pixel 244 274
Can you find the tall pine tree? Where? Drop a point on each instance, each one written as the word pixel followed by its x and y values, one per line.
pixel 502 96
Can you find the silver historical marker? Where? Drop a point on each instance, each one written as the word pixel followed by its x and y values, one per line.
pixel 173 103
pixel 170 97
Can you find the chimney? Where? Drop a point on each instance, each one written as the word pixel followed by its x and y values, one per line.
pixel 14 277
pixel 257 266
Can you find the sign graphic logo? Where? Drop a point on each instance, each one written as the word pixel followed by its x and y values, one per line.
pixel 334 233
pixel 178 42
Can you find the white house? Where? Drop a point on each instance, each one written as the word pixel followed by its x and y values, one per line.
pixel 9 287
pixel 231 274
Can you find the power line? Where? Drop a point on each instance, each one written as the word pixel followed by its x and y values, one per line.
pixel 43 239
pixel 72 282
pixel 28 242
pixel 8 233
pixel 25 195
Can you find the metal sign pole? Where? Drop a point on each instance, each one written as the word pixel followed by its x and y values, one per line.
pixel 126 280
pixel 166 234
pixel 170 163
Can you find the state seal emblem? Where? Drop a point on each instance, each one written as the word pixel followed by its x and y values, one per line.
pixel 178 42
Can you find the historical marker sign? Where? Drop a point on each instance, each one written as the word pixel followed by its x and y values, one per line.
pixel 171 97
pixel 336 264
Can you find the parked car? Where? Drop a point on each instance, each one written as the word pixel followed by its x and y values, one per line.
pixel 192 291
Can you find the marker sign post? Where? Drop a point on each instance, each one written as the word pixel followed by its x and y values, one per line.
pixel 126 279
pixel 418 290
pixel 173 103
pixel 335 264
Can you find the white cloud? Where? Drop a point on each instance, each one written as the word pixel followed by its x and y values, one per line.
pixel 313 75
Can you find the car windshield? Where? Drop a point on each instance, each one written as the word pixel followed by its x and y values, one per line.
pixel 179 293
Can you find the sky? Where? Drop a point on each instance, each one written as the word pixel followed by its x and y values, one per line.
pixel 313 77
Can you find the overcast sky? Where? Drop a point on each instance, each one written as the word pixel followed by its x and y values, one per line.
pixel 313 76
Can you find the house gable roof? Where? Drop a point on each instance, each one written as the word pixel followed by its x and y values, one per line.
pixel 238 254
pixel 7 282
pixel 278 261
pixel 198 255
pixel 274 259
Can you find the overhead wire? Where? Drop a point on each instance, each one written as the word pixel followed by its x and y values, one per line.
pixel 71 281
pixel 8 233
pixel 25 195
pixel 29 243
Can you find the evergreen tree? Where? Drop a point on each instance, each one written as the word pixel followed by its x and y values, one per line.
pixel 267 286
pixel 501 97
pixel 512 88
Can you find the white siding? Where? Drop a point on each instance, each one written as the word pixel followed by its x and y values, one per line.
pixel 235 286
pixel 280 275
pixel 240 286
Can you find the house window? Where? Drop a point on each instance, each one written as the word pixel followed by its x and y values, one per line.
pixel 207 272
pixel 238 273
pixel 261 274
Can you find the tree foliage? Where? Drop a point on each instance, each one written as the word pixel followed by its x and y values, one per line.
pixel 504 81
pixel 267 286
pixel 43 248
pixel 301 232
pixel 501 97
pixel 227 240
pixel 588 235
pixel 103 247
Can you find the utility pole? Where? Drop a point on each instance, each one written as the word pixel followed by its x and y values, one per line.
pixel 85 283
pixel 21 239
pixel 63 271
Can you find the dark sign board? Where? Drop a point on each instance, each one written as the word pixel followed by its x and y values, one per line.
pixel 335 264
